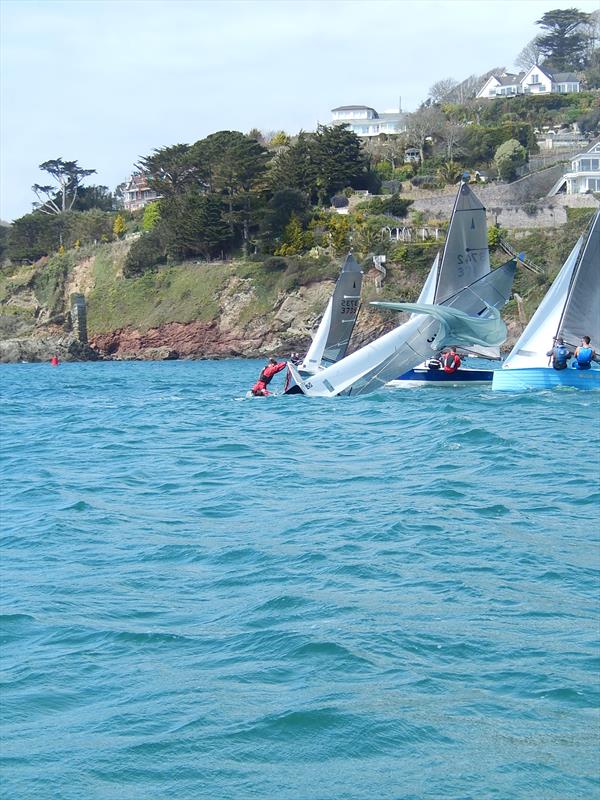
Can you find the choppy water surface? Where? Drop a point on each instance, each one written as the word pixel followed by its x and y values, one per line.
pixel 393 596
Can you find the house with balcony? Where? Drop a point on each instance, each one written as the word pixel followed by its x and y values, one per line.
pixel 364 121
pixel 537 80
pixel 584 175
pixel 542 81
pixel 137 193
pixel 504 85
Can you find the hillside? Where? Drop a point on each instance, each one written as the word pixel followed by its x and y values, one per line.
pixel 219 309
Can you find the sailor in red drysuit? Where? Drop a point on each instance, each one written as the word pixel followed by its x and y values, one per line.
pixel 260 387
pixel 450 360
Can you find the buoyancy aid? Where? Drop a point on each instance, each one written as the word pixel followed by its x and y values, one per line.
pixel 451 362
pixel 267 373
pixel 561 356
pixel 584 357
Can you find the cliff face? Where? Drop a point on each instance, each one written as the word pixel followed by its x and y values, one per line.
pixel 284 329
pixel 160 316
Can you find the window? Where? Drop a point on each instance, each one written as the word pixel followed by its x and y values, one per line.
pixel 535 78
pixel 594 184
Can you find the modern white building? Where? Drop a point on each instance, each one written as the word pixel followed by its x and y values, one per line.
pixel 365 121
pixel 537 80
pixel 584 175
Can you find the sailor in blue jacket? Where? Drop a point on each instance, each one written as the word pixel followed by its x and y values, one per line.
pixel 560 354
pixel 584 354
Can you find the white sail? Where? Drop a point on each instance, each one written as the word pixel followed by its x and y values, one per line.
pixel 457 326
pixel 312 359
pixel 407 345
pixel 537 338
pixel 428 291
pixel 335 329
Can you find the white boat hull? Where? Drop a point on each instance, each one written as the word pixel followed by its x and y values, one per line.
pixel 522 380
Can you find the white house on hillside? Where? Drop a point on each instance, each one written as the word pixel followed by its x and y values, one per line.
pixel 537 80
pixel 365 121
pixel 505 85
pixel 584 175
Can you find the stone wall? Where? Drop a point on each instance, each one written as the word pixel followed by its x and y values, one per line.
pixel 522 204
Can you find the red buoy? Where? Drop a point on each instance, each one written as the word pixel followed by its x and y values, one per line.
pixel 54 361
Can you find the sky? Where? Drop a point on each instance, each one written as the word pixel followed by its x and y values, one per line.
pixel 104 82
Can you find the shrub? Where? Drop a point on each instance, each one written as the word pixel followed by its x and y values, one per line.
pixel 339 201
pixel 424 181
pixel 275 264
pixel 145 253
pixel 509 157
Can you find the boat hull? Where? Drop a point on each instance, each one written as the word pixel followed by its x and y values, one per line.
pixel 416 378
pixel 521 380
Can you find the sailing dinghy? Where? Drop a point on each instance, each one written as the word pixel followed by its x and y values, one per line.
pixel 570 309
pixel 461 281
pixel 335 329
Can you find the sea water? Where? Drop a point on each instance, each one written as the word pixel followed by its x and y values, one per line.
pixel 205 596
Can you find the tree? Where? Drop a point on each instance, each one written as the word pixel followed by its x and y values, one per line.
pixel 508 158
pixel 295 167
pixel 451 132
pixel 151 216
pixel 68 176
pixel 279 139
pixel 450 172
pixel 119 226
pixel 34 235
pixel 94 197
pixel 279 210
pixel 339 159
pixel 442 89
pixel 563 42
pixel 236 167
pixel 193 225
pixel 530 56
pixel 172 170
pixel 423 124
pixel 293 238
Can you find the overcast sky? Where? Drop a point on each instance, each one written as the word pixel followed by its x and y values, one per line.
pixel 104 82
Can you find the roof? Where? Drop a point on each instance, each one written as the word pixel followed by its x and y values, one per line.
pixel 510 80
pixel 353 108
pixel 565 77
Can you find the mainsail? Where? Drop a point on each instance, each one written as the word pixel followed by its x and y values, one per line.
pixel 581 313
pixel 571 307
pixel 335 329
pixel 466 256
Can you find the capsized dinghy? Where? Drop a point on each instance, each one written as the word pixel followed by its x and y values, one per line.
pixel 463 282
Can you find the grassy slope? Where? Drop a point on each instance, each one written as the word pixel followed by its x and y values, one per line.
pixel 190 291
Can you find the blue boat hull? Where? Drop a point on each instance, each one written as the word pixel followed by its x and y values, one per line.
pixel 521 380
pixel 427 377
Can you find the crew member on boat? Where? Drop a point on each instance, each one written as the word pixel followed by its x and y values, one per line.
pixel 560 354
pixel 584 354
pixel 266 376
pixel 450 360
